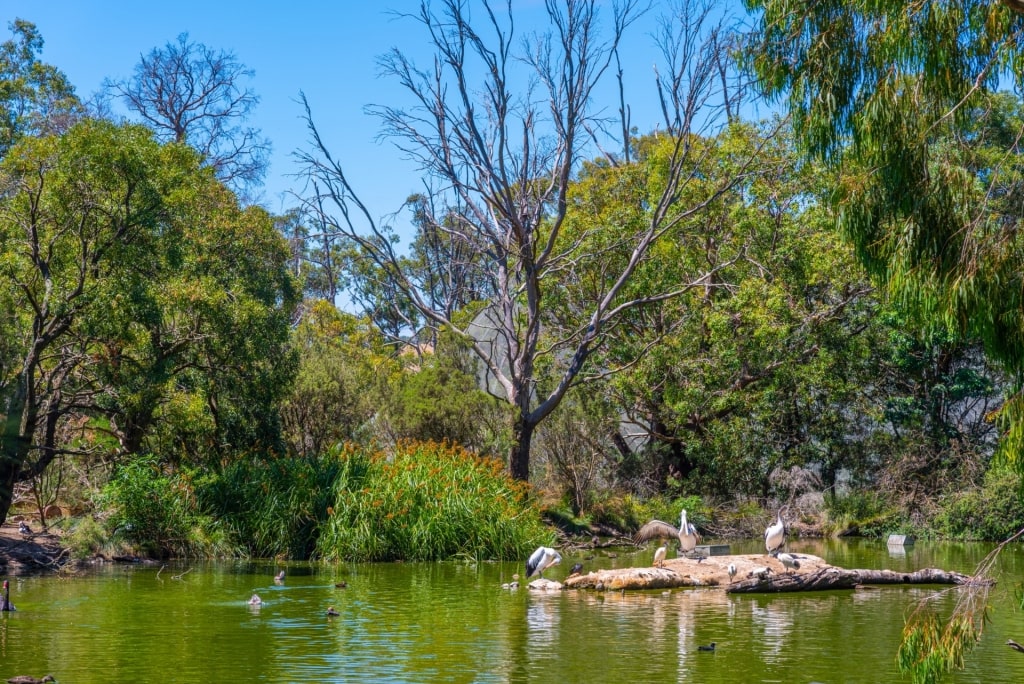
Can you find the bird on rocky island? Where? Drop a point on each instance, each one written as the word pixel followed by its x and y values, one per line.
pixel 540 560
pixel 577 569
pixel 732 571
pixel 659 556
pixel 775 535
pixel 686 533
pixel 789 560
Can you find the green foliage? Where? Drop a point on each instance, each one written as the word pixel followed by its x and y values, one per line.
pixel 273 506
pixel 428 502
pixel 630 513
pixel 995 510
pixel 85 538
pixel 868 514
pixel 159 513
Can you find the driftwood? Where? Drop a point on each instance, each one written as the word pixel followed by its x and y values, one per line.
pixel 753 573
pixel 840 578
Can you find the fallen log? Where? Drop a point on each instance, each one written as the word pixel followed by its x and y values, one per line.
pixel 829 578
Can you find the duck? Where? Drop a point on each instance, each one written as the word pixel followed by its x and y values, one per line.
pixel 709 647
pixel 775 534
pixel 255 600
pixel 5 600
pixel 341 585
pixel 686 533
pixel 331 612
pixel 540 560
pixel 29 679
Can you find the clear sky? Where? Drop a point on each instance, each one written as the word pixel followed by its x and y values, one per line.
pixel 328 50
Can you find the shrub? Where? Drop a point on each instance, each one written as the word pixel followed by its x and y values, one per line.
pixel 428 502
pixel 992 512
pixel 157 512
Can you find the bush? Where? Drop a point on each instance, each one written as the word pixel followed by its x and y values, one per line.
pixel 428 502
pixel 992 512
pixel 864 513
pixel 158 513
pixel 273 506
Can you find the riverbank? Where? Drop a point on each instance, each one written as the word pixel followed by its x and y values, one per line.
pixel 24 553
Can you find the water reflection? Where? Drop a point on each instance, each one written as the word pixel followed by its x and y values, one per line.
pixel 453 622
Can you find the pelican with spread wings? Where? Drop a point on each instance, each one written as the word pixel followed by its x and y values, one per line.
pixel 686 533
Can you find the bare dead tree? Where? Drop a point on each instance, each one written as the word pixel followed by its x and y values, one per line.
pixel 505 149
pixel 188 92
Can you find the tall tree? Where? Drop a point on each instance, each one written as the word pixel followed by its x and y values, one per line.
pixel 507 162
pixel 188 92
pixel 35 98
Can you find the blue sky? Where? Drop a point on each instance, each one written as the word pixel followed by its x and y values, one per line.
pixel 327 50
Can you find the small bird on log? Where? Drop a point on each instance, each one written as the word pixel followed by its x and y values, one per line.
pixel 5 601
pixel 1014 645
pixel 542 559
pixel 709 647
pixel 760 573
pixel 789 560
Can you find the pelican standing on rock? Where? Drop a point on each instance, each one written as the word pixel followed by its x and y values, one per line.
pixel 5 600
pixel 686 533
pixel 541 559
pixel 775 535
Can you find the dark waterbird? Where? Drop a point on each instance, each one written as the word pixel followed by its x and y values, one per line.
pixel 709 647
pixel 331 612
pixel 5 600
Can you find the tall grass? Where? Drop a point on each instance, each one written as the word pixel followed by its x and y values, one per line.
pixel 428 502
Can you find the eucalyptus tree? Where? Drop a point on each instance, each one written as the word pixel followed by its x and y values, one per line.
pixel 906 98
pixel 191 93
pixel 136 293
pixel 500 126
pixel 35 98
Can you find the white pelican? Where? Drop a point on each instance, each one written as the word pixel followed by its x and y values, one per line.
pixel 542 559
pixel 789 560
pixel 775 535
pixel 255 600
pixel 686 533
pixel 659 556
pixel 732 571
pixel 279 578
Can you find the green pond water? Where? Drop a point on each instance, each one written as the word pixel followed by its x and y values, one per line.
pixel 452 622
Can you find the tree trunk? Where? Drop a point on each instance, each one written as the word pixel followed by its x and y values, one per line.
pixel 839 578
pixel 15 443
pixel 519 458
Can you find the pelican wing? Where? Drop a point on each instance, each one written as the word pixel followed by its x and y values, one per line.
pixel 656 529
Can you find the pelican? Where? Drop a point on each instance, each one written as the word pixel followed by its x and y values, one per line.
pixel 279 578
pixel 659 556
pixel 789 560
pixel 5 600
pixel 775 535
pixel 686 533
pixel 542 559
pixel 255 600
pixel 732 571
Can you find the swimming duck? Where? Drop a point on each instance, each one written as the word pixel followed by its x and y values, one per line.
pixel 331 612
pixel 709 647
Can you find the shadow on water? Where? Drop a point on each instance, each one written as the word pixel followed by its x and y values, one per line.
pixel 417 622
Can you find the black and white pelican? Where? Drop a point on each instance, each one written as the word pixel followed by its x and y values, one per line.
pixel 686 533
pixel 775 535
pixel 542 559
